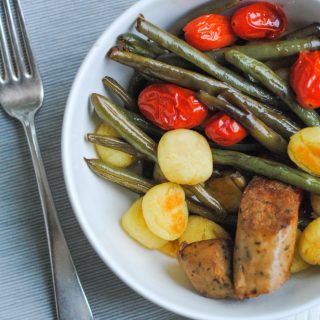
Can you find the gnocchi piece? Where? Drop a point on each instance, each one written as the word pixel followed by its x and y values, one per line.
pixel 185 157
pixel 114 157
pixel 165 210
pixel 304 149
pixel 309 244
pixel 298 264
pixel 315 203
pixel 171 248
pixel 200 228
pixel 135 226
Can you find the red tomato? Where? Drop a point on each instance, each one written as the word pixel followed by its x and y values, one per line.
pixel 209 32
pixel 305 79
pixel 224 131
pixel 261 20
pixel 171 107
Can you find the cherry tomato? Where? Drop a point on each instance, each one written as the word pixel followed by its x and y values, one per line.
pixel 224 131
pixel 209 32
pixel 305 79
pixel 261 20
pixel 171 107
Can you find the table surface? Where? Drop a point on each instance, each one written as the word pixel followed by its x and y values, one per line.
pixel 61 32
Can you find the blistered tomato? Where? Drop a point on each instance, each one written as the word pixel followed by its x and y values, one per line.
pixel 305 79
pixel 261 20
pixel 209 32
pixel 224 131
pixel 171 107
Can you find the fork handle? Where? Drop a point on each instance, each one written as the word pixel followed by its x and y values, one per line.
pixel 71 302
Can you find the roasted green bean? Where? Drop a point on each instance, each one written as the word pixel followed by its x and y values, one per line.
pixel 136 84
pixel 310 30
pixel 167 72
pixel 267 168
pixel 274 83
pixel 141 185
pixel 141 46
pixel 266 136
pixel 201 60
pixel 270 50
pixel 114 143
pixel 174 60
pixel 119 91
pixel 271 117
pixel 217 6
pixel 118 119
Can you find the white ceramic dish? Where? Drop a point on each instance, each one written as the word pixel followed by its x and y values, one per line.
pixel 99 205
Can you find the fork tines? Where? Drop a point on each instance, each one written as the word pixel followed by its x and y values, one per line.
pixel 16 54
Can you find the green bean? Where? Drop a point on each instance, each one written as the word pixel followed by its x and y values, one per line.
pixel 201 60
pixel 270 50
pixel 114 143
pixel 143 124
pixel 271 117
pixel 174 60
pixel 281 63
pixel 241 147
pixel 267 168
pixel 263 134
pixel 118 90
pixel 118 119
pixel 310 30
pixel 140 45
pixel 185 78
pixel 141 185
pixel 274 83
pixel 217 6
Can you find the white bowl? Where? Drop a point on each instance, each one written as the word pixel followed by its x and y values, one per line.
pixel 99 205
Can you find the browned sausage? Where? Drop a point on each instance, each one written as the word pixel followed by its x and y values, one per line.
pixel 207 265
pixel 265 237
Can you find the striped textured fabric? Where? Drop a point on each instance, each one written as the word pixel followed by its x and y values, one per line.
pixel 62 32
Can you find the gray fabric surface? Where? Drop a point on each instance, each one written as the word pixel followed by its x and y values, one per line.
pixel 62 32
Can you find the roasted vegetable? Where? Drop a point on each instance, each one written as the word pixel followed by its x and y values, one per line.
pixel 209 32
pixel 298 264
pixel 272 50
pixel 265 238
pixel 305 79
pixel 114 157
pixel 184 157
pixel 200 228
pixel 304 150
pixel 115 87
pixel 135 226
pixel 165 210
pixel 271 117
pixel 171 107
pixel 312 29
pixel 260 20
pixel 171 248
pixel 267 168
pixel 274 83
pixel 118 120
pixel 166 72
pixel 207 264
pixel 217 6
pixel 261 132
pixel 309 248
pixel 201 60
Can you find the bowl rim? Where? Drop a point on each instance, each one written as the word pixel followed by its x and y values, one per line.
pixel 93 240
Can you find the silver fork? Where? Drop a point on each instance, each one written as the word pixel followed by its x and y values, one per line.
pixel 21 96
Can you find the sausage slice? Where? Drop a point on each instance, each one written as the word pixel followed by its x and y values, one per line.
pixel 207 265
pixel 265 238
